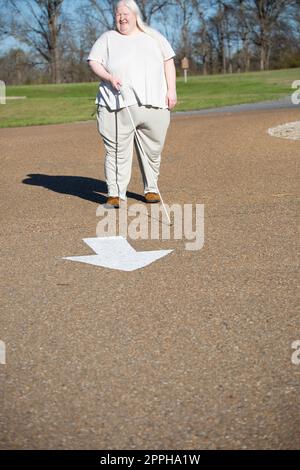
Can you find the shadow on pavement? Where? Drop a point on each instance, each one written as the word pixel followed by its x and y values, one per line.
pixel 79 186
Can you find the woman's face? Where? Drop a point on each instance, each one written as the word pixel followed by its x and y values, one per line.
pixel 125 20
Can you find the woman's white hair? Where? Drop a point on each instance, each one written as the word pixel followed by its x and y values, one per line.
pixel 133 6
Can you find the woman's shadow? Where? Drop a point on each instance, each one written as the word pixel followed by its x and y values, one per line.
pixel 79 186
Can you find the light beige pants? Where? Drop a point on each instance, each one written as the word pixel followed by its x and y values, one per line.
pixel 116 130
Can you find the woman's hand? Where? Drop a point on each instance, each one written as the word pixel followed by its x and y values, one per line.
pixel 171 99
pixel 115 82
pixel 99 70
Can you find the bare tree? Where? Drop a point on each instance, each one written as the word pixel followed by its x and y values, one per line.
pixel 19 67
pixel 99 14
pixel 150 8
pixel 203 42
pixel 4 30
pixel 222 24
pixel 237 31
pixel 182 12
pixel 218 26
pixel 265 16
pixel 242 32
pixel 37 23
pixel 203 45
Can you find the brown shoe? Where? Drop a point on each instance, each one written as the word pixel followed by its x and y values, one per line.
pixel 113 201
pixel 152 197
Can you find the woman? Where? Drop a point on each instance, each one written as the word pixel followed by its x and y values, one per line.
pixel 140 60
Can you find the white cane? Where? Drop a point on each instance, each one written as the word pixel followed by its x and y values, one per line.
pixel 145 159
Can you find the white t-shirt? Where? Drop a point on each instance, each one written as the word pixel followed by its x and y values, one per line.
pixel 138 61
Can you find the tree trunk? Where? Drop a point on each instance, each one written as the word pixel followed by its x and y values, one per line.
pixel 55 62
pixel 263 56
pixel 204 65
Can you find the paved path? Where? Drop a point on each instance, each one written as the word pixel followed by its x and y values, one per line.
pixel 191 352
pixel 283 103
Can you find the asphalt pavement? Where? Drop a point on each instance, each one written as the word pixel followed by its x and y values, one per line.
pixel 191 352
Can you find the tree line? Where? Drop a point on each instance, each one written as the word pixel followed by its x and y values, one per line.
pixel 53 37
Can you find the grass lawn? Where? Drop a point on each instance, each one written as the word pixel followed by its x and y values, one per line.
pixel 54 104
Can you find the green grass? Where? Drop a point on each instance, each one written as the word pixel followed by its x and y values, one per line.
pixel 54 104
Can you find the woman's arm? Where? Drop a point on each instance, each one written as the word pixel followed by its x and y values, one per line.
pixel 170 72
pixel 102 73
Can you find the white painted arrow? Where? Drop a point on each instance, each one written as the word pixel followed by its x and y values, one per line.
pixel 117 253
